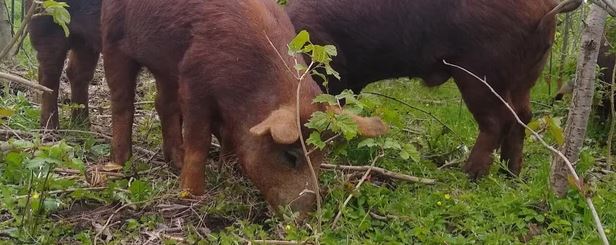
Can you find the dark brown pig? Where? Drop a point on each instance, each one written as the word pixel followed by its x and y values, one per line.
pixel 83 49
pixel 505 41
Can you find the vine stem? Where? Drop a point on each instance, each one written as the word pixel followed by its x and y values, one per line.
pixel 578 182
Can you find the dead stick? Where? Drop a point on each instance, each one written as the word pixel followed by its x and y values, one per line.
pixel 278 242
pixel 381 171
pixel 578 181
pixel 25 82
pixel 361 181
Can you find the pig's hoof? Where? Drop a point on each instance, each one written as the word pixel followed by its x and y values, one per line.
pixel 475 171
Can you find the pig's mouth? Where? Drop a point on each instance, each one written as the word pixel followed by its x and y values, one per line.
pixel 304 202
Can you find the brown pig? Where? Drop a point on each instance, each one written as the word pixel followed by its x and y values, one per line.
pixel 218 71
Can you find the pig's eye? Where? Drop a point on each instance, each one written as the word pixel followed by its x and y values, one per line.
pixel 292 157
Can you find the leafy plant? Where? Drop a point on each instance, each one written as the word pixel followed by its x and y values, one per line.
pixel 59 13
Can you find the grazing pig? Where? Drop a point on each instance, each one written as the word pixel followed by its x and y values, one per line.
pixel 52 46
pixel 504 41
pixel 218 70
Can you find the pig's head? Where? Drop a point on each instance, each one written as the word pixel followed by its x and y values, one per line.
pixel 275 161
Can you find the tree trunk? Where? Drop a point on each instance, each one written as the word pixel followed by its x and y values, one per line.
pixel 575 131
pixel 5 26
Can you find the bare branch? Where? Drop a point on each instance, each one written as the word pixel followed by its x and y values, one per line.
pixel 578 181
pixel 361 181
pixel 380 171
pixel 607 5
pixel 25 82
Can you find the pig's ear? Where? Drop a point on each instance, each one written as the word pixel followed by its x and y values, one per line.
pixel 281 124
pixel 367 126
pixel 370 126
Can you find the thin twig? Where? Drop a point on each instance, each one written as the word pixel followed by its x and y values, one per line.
pixel 361 181
pixel 450 163
pixel 274 242
pixel 325 142
pixel 578 182
pixel 24 82
pixel 418 109
pixel 380 171
pixel 313 173
pixel 109 220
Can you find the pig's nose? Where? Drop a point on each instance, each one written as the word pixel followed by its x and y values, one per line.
pixel 304 204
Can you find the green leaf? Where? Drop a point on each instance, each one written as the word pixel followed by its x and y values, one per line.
pixel 13 172
pixel 51 204
pixel 21 144
pixel 414 154
pixel 392 144
pixel 59 13
pixel 330 50
pixel 40 162
pixel 330 71
pixel 556 132
pixel 4 112
pixel 318 121
pixel 299 67
pixel 296 45
pixel 139 190
pixel 101 150
pixel 319 55
pixel 325 98
pixel 315 139
pixel 535 125
pixel 369 142
pixel 350 98
pixel 404 155
pixel 344 124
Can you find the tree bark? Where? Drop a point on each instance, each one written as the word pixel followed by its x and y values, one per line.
pixel 577 120
pixel 5 26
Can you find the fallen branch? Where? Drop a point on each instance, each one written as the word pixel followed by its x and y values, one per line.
pixel 104 227
pixel 380 171
pixel 73 190
pixel 275 242
pixel 25 82
pixel 361 181
pixel 578 182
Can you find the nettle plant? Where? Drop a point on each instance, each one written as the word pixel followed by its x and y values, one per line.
pixel 341 123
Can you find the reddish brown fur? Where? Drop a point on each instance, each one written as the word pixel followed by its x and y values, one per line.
pixel 216 73
pixel 505 41
pixel 52 47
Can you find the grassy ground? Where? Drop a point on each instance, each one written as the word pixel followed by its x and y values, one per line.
pixel 53 189
pixel 47 196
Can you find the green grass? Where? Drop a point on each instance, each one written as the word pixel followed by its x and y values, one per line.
pixel 46 197
pixel 495 210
